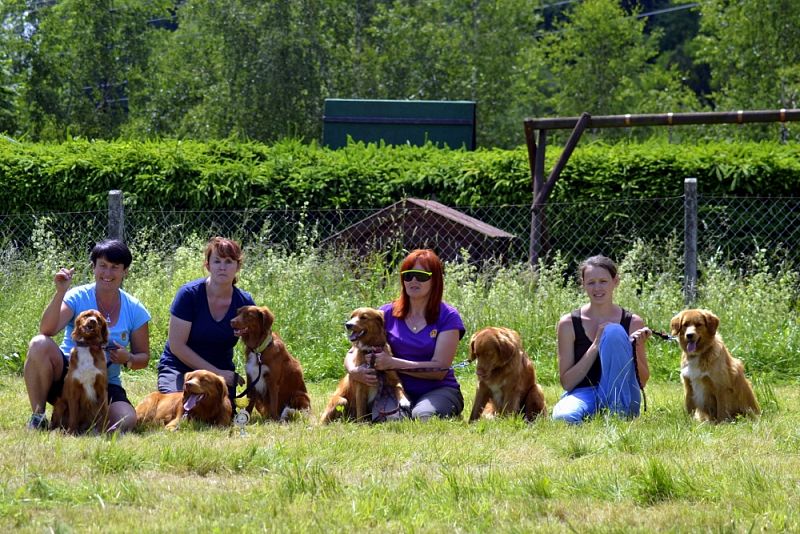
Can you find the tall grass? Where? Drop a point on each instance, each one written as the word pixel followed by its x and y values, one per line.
pixel 313 291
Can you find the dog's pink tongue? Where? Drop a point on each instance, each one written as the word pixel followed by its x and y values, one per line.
pixel 192 401
pixel 691 346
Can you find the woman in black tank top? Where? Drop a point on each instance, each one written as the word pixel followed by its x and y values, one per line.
pixel 596 360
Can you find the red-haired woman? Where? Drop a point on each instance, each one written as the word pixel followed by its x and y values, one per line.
pixel 423 332
pixel 200 333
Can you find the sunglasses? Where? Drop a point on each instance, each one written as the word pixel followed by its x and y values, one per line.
pixel 421 276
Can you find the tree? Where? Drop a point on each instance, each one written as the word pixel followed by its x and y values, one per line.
pixel 252 69
pixel 602 61
pixel 452 50
pixel 80 58
pixel 752 48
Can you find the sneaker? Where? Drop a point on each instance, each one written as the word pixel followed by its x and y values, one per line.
pixel 38 421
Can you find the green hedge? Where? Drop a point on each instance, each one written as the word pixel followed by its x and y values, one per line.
pixel 188 175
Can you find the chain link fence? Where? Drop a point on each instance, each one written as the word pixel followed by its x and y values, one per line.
pixel 730 228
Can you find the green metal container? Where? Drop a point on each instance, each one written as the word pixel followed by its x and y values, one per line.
pixel 399 122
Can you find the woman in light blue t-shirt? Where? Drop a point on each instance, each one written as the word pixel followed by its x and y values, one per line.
pixel 129 337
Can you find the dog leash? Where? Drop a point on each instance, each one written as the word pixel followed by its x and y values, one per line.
pixel 661 335
pixel 257 351
pixel 455 366
pixel 104 348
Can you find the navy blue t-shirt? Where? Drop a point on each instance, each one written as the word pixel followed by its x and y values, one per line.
pixel 211 340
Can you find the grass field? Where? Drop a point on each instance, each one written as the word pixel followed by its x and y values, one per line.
pixel 661 472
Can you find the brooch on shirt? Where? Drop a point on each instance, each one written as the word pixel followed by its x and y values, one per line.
pixel 434 332
pixel 124 337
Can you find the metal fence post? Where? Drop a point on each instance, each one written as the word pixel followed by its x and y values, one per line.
pixel 116 215
pixel 690 240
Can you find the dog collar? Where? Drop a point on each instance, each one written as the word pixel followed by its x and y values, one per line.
pixel 83 344
pixel 264 344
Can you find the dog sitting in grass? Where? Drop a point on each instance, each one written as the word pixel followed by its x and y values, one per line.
pixel 83 404
pixel 715 388
pixel 506 377
pixel 352 399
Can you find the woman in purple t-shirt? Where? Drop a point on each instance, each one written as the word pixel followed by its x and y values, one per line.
pixel 423 332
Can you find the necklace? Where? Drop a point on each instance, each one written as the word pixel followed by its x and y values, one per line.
pixel 415 326
pixel 108 313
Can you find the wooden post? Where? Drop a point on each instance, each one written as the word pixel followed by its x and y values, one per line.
pixel 536 157
pixel 690 240
pixel 116 215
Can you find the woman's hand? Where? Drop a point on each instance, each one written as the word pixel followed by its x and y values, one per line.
pixel 231 378
pixel 383 360
pixel 640 336
pixel 363 374
pixel 118 354
pixel 599 334
pixel 63 279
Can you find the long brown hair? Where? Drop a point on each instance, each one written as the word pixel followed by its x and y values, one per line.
pixel 225 248
pixel 430 262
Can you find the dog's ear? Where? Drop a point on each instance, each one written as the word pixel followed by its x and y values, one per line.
pixel 103 330
pixel 222 387
pixel 508 345
pixel 712 322
pixel 675 324
pixel 381 317
pixel 267 318
pixel 472 354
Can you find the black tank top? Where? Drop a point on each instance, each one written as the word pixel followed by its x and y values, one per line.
pixel 582 344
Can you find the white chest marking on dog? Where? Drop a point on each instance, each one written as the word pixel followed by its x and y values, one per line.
pixel 85 372
pixel 497 395
pixel 252 372
pixel 695 377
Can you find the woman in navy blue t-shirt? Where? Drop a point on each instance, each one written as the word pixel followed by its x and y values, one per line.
pixel 200 332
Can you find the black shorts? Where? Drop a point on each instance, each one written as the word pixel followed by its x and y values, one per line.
pixel 115 393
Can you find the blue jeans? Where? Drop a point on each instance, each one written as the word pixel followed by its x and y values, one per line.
pixel 618 390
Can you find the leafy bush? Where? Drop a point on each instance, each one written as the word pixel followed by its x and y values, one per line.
pixel 189 175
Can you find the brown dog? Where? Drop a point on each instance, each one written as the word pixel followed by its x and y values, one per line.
pixel 275 385
pixel 715 388
pixel 84 401
pixel 367 333
pixel 204 398
pixel 506 376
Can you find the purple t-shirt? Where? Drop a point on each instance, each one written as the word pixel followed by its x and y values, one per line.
pixel 419 347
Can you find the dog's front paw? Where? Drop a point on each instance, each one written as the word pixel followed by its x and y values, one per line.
pixel 405 405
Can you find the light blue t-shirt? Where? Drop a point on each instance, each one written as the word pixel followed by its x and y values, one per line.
pixel 132 315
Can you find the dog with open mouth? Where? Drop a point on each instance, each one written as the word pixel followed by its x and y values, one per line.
pixel 204 398
pixel 275 384
pixel 715 387
pixel 353 399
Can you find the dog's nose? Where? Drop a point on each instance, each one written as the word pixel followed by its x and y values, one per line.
pixel 690 335
pixel 348 326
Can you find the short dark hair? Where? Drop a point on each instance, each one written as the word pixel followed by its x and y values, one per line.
pixel 113 250
pixel 597 261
